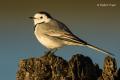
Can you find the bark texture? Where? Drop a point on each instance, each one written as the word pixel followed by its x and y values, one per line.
pixel 79 67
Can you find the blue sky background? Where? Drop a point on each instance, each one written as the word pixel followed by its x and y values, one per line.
pixel 99 26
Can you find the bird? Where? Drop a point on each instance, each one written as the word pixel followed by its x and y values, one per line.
pixel 53 34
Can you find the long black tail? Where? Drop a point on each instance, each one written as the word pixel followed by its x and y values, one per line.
pixel 99 49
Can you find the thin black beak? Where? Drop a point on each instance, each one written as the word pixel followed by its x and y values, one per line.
pixel 31 18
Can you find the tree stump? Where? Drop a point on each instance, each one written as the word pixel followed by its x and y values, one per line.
pixel 79 67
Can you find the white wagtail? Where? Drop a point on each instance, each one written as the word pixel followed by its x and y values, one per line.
pixel 53 34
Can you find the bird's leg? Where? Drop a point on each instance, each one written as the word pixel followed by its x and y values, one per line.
pixel 51 51
pixel 54 50
pixel 48 52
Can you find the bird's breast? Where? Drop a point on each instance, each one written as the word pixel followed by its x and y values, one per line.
pixel 47 41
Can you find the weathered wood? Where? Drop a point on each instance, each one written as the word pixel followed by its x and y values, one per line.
pixel 110 69
pixel 79 67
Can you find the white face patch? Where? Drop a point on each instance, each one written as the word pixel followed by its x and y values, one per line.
pixel 40 18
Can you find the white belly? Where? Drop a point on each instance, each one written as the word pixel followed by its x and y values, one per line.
pixel 47 41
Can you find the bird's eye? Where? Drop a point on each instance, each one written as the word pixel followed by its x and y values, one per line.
pixel 41 17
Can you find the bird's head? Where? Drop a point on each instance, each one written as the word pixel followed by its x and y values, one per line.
pixel 41 17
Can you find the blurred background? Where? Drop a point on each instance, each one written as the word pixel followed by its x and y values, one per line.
pixel 98 25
